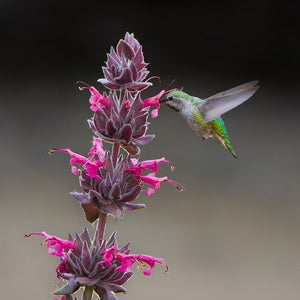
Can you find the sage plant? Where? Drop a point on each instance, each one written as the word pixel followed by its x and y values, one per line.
pixel 110 181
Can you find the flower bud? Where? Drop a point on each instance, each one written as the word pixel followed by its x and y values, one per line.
pixel 125 68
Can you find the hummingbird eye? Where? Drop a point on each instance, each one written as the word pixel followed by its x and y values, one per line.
pixel 170 98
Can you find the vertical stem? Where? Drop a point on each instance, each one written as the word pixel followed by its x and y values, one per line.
pixel 87 294
pixel 101 225
pixel 116 146
pixel 122 95
pixel 115 153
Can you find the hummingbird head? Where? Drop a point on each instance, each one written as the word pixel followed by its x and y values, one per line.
pixel 176 99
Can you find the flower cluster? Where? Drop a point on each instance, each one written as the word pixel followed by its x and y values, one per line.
pixel 122 118
pixel 110 181
pixel 93 263
pixel 111 187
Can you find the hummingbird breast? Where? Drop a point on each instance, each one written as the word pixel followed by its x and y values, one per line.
pixel 195 121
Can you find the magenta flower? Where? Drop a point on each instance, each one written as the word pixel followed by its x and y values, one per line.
pixel 154 101
pixel 80 268
pixel 90 166
pixel 125 68
pixel 123 119
pixel 155 183
pixel 60 246
pixel 96 100
pixel 139 167
pixel 151 178
pixel 61 298
pixel 127 260
pixel 108 188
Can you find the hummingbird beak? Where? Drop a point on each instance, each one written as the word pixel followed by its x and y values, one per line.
pixel 162 99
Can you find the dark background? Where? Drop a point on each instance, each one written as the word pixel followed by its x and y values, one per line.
pixel 234 232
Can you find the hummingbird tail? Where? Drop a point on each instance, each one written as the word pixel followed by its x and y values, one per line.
pixel 227 145
pixel 224 142
pixel 232 152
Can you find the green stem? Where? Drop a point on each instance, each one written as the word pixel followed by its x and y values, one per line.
pixel 88 293
pixel 101 225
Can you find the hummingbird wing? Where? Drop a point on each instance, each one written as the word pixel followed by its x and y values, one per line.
pixel 213 107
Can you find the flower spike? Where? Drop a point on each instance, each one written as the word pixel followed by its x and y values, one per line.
pixel 110 181
pixel 125 68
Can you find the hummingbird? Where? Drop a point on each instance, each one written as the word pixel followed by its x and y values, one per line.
pixel 204 115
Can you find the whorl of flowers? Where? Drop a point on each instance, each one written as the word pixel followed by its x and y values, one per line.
pixel 110 181
pixel 111 187
pixel 123 120
pixel 93 263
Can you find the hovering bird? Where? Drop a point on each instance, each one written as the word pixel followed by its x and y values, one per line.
pixel 204 115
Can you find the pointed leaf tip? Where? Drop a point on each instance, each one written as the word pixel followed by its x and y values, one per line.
pixel 69 288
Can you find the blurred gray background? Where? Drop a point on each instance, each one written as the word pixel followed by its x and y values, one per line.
pixel 234 232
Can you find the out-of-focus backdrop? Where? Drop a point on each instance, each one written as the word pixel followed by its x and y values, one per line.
pixel 234 232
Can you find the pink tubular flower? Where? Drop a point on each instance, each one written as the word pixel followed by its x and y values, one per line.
pixel 61 298
pixel 62 268
pixel 154 101
pixel 60 245
pixel 127 260
pixel 148 164
pixel 151 179
pixel 96 100
pixel 91 164
pixel 97 149
pixel 155 183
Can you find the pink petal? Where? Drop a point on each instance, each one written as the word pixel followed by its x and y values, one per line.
pixel 96 98
pixel 154 101
pixel 127 260
pixel 153 164
pixel 139 167
pixel 62 268
pixel 75 158
pixel 61 298
pixel 91 166
pixel 108 255
pixel 97 148
pixel 60 245
pixel 147 271
pixel 74 170
pixel 154 113
pixel 151 179
pixel 155 183
pixel 149 191
pixel 92 169
pixel 150 260
pixel 127 104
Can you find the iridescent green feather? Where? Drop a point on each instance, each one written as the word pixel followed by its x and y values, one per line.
pixel 216 127
pixel 219 128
